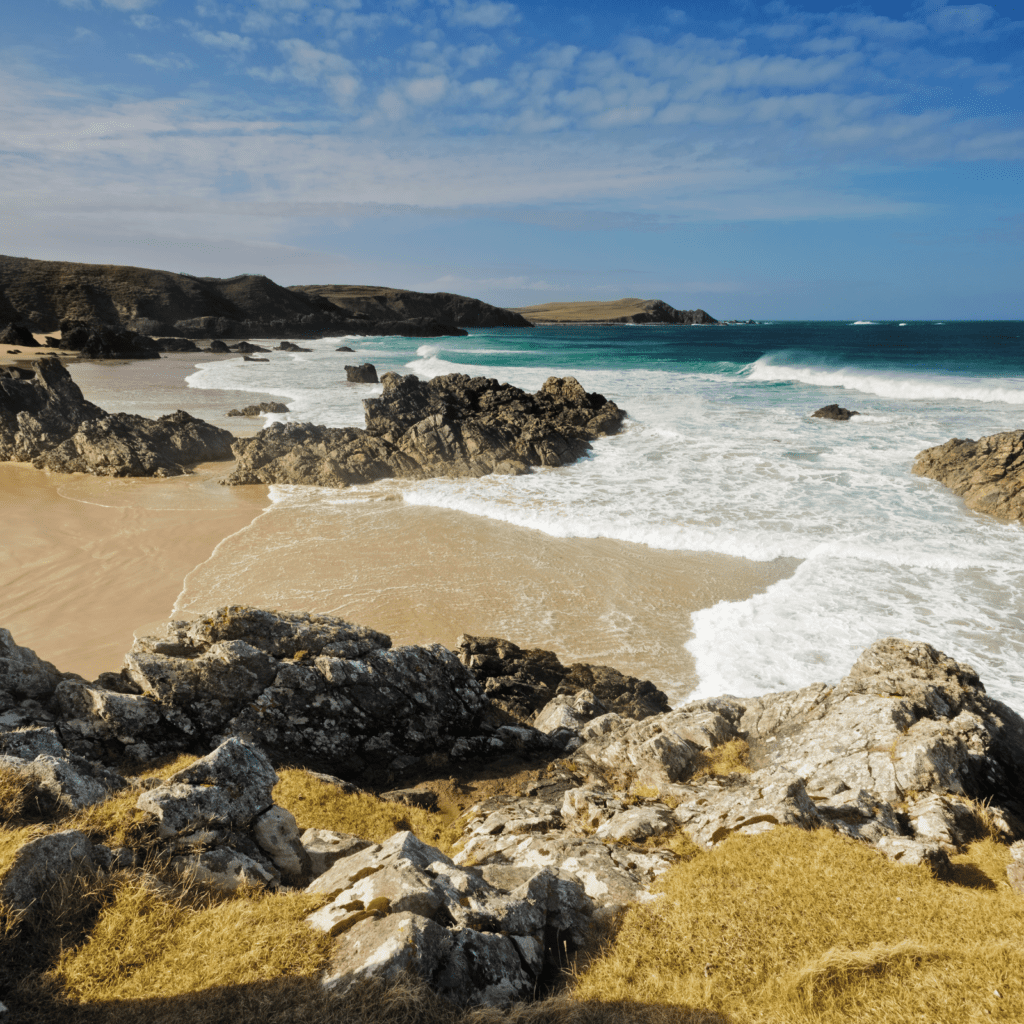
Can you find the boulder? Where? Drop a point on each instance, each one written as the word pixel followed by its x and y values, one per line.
pixel 290 346
pixel 15 334
pixel 834 412
pixel 248 348
pixel 259 410
pixel 366 373
pixel 344 348
pixel 278 836
pixel 324 848
pixel 988 474
pixel 23 674
pixel 103 342
pixel 56 784
pixel 223 868
pixel 42 863
pixel 449 426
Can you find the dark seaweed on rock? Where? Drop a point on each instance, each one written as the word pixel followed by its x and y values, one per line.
pixel 455 426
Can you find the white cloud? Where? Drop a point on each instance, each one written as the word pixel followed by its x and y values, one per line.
pixel 486 14
pixel 129 5
pixel 222 40
pixel 145 21
pixel 84 35
pixel 958 20
pixel 169 62
pixel 308 64
pixel 426 90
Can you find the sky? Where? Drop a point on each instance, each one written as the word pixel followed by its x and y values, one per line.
pixel 754 160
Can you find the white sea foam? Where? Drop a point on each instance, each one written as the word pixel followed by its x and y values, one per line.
pixel 726 460
pixel 889 383
pixel 857 323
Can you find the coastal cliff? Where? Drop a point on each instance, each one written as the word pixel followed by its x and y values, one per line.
pixel 619 311
pixel 896 770
pixel 43 294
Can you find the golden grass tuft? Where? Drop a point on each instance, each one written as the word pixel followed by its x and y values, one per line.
pixel 725 759
pixel 14 792
pixel 794 926
pixel 144 944
pixel 318 804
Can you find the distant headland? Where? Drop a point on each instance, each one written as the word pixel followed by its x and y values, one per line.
pixel 618 311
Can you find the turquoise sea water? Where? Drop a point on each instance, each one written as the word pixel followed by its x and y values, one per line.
pixel 720 454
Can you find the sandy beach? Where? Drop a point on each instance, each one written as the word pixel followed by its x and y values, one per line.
pixel 87 563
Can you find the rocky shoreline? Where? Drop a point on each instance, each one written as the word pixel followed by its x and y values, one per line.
pixel 907 754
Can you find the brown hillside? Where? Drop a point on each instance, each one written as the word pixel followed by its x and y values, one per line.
pixel 629 310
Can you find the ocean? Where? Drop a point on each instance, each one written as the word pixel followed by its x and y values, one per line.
pixel 720 455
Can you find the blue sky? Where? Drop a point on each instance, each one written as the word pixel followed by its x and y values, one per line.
pixel 775 160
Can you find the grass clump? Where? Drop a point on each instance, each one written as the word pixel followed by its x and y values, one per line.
pixel 790 926
pixel 319 804
pixel 726 759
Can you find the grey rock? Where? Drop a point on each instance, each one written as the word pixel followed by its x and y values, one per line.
pixel 29 743
pixel 911 852
pixel 22 674
pixel 452 425
pixel 278 835
pixel 1015 869
pixel 834 412
pixel 59 784
pixel 636 824
pixel 41 864
pixel 224 869
pixel 230 786
pixel 324 848
pixel 262 407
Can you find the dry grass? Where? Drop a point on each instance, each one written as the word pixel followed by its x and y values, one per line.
pixel 792 926
pixel 317 804
pixel 582 312
pixel 725 759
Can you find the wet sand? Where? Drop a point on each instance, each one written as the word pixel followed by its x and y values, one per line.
pixel 87 563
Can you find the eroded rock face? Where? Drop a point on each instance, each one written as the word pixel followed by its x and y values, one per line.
pixel 525 682
pixel 449 426
pixel 47 421
pixel 102 342
pixel 988 474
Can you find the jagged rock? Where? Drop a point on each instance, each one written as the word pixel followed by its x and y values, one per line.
pixel 62 782
pixel 988 474
pixel 278 835
pixel 911 852
pixel 29 743
pixel 47 421
pixel 300 686
pixel 522 682
pixel 568 712
pixel 128 445
pixel 290 346
pixel 366 373
pixel 324 848
pixel 103 342
pixel 14 334
pixel 449 426
pixel 228 787
pixel 636 824
pixel 41 864
pixel 834 412
pixel 259 410
pixel 248 348
pixel 22 674
pixel 344 348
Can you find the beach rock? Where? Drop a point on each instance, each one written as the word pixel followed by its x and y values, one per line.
pixel 344 348
pixel 452 425
pixel 254 359
pixel 834 412
pixel 14 334
pixel 304 687
pixel 988 474
pixel 128 445
pixel 259 410
pixel 102 342
pixel 248 348
pixel 47 421
pixel 522 682
pixel 290 346
pixel 218 346
pixel 42 863
pixel 366 373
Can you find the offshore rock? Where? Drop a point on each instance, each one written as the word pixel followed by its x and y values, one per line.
pixel 259 410
pixel 452 425
pixel 988 474
pixel 834 412
pixel 47 421
pixel 365 373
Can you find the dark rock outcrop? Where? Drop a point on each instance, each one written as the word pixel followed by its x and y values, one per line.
pixel 14 334
pixel 449 426
pixel 988 474
pixel 259 410
pixel 47 421
pixel 394 305
pixel 522 682
pixel 365 373
pixel 833 412
pixel 101 342
pixel 290 346
pixel 248 348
